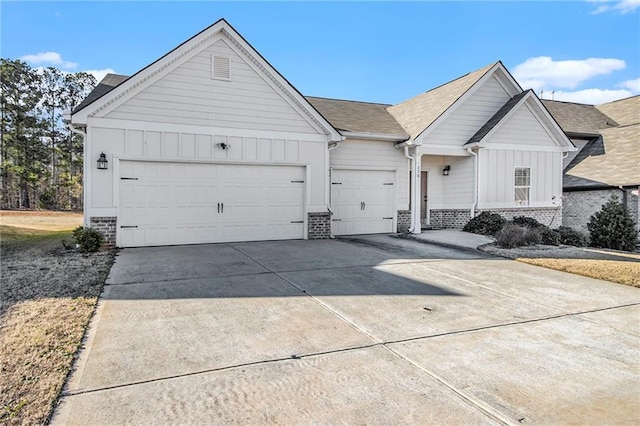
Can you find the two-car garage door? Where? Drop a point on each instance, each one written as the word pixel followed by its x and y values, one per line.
pixel 189 203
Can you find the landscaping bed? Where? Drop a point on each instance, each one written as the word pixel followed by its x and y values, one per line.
pixel 47 297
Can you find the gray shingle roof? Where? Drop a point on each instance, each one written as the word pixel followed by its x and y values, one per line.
pixel 354 116
pixel 578 118
pixel 108 83
pixel 613 160
pixel 624 111
pixel 498 116
pixel 418 113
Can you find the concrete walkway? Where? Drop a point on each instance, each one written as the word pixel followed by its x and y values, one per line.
pixel 452 238
pixel 374 329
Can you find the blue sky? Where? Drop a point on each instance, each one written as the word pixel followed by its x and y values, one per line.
pixel 584 51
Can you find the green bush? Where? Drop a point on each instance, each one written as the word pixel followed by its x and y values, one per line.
pixel 485 223
pixel 547 235
pixel 612 227
pixel 512 235
pixel 89 239
pixel 571 237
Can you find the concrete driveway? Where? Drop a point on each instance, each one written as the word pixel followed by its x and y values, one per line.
pixel 372 330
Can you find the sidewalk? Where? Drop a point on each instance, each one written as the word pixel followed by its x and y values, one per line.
pixel 452 238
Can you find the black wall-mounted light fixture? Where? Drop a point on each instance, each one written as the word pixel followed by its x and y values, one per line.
pixel 445 171
pixel 224 145
pixel 103 163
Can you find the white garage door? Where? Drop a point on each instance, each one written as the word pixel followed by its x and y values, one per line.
pixel 186 203
pixel 362 201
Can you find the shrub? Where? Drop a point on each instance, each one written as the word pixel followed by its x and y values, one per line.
pixel 571 237
pixel 547 235
pixel 89 239
pixel 485 223
pixel 612 227
pixel 512 235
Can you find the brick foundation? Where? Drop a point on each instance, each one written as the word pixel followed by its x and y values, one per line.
pixel 404 221
pixel 319 225
pixel 579 206
pixel 449 218
pixel 549 216
pixel 107 226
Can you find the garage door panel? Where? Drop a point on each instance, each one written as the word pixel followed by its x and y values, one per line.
pixel 174 203
pixel 362 201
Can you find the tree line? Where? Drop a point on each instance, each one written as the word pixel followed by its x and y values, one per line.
pixel 40 158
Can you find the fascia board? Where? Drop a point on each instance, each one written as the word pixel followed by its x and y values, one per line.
pixel 374 136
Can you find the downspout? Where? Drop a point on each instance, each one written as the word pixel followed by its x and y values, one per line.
pixel 475 182
pixel 333 146
pixel 84 170
pixel 412 163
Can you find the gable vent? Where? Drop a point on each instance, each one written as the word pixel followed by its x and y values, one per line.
pixel 221 67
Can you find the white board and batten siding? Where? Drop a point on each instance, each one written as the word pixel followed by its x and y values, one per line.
pixel 190 95
pixel 496 180
pixel 173 146
pixel 522 141
pixel 369 183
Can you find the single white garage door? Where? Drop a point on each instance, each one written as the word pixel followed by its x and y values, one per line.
pixel 362 201
pixel 187 203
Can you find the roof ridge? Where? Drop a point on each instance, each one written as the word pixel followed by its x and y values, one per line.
pixel 567 102
pixel 347 100
pixel 488 67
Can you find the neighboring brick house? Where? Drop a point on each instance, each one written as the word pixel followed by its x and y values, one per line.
pixel 607 161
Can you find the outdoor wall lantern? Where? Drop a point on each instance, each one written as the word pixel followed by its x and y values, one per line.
pixel 103 163
pixel 445 171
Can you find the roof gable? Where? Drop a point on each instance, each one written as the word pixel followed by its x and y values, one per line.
pixel 105 102
pixel 424 112
pixel 525 106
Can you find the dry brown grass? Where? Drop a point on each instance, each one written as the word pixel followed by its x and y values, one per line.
pixel 608 265
pixel 40 220
pixel 46 300
pixel 622 272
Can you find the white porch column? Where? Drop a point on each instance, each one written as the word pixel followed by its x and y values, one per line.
pixel 415 194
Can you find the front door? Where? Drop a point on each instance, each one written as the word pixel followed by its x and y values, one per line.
pixel 424 180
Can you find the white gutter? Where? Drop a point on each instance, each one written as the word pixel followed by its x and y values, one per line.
pixel 332 146
pixel 412 167
pixel 373 136
pixel 475 182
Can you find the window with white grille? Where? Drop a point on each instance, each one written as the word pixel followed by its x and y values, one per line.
pixel 220 67
pixel 522 187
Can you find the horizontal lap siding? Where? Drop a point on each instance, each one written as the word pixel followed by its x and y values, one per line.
pixel 465 121
pixel 522 128
pixel 188 95
pixel 372 155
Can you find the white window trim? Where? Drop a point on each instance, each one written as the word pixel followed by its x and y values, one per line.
pixel 515 187
pixel 213 68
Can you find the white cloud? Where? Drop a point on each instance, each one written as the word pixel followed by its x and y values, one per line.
pixel 49 59
pixel 543 72
pixel 622 6
pixel 588 96
pixel 633 85
pixel 100 74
